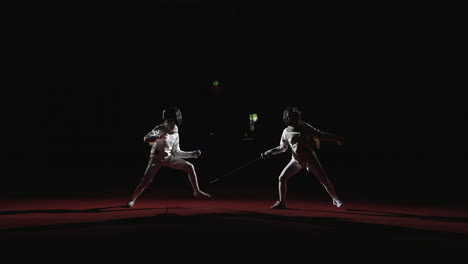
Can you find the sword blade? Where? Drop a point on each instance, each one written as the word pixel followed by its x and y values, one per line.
pixel 231 172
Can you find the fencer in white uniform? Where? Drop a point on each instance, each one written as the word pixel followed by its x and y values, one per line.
pixel 165 151
pixel 303 139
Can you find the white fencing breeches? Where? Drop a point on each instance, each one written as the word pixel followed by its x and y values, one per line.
pixel 172 162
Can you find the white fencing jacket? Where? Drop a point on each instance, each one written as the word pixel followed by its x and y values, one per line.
pixel 169 147
pixel 303 141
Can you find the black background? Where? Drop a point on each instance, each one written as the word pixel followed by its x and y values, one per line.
pixel 86 83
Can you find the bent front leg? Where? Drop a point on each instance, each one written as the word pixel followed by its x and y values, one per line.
pixel 290 170
pixel 183 165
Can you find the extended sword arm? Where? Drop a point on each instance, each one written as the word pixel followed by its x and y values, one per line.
pixel 273 151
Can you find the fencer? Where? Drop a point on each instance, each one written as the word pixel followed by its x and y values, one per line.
pixel 303 139
pixel 165 152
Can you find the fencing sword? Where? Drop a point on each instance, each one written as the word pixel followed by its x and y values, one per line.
pixel 231 172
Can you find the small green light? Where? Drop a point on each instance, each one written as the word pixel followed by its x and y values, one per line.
pixel 215 83
pixel 253 118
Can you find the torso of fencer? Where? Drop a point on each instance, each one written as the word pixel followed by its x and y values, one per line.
pixel 301 142
pixel 163 148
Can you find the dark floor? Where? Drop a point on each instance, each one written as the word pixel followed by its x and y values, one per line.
pixel 220 230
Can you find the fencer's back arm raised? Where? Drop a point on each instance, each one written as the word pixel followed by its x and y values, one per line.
pixel 321 135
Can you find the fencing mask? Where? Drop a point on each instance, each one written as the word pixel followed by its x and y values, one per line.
pixel 172 114
pixel 291 116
